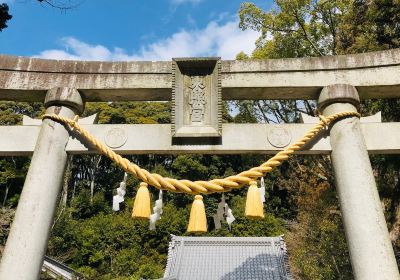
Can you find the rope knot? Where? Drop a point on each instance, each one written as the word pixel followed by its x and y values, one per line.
pixel 74 122
pixel 324 120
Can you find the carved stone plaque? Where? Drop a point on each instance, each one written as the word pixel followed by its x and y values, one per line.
pixel 196 97
pixel 116 137
pixel 279 137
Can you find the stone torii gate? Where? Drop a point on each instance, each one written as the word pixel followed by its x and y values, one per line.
pixel 196 87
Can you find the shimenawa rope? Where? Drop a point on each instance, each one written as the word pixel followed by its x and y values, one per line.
pixel 203 187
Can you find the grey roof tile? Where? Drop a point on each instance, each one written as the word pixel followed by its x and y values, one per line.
pixel 227 258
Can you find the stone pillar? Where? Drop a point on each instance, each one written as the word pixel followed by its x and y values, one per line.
pixel 30 230
pixel 371 251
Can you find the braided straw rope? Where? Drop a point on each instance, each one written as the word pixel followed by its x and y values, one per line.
pixel 204 187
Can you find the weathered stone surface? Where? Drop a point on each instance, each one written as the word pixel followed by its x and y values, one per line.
pixel 377 118
pixel 237 139
pixel 30 230
pixel 338 93
pixel 362 214
pixel 68 97
pixel 375 75
pixel 28 121
pixel 196 97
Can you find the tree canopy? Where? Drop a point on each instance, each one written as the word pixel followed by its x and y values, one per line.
pixel 303 28
pixel 301 199
pixel 4 16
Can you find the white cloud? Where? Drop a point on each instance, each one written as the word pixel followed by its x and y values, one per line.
pixel 225 40
pixel 78 50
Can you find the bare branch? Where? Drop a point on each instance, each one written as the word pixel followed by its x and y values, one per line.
pixel 62 5
pixel 262 111
pixel 296 15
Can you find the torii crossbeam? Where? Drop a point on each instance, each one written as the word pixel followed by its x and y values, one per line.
pixel 196 87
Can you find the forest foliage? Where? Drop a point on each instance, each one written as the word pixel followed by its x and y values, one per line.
pixel 301 199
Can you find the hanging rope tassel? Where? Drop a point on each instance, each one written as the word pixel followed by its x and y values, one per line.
pixel 254 205
pixel 197 220
pixel 141 206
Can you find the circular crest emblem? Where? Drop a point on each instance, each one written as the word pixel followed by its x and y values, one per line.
pixel 279 137
pixel 116 137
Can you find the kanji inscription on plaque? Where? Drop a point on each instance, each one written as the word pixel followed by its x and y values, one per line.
pixel 197 99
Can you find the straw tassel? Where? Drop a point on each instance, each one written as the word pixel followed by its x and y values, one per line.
pixel 197 220
pixel 141 206
pixel 254 205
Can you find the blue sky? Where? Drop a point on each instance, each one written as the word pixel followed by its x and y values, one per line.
pixel 127 29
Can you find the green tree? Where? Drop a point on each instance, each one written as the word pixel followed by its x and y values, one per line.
pixel 303 28
pixel 4 16
pixel 13 169
pixel 300 196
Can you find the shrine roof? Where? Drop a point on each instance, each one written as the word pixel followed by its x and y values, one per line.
pixel 255 258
